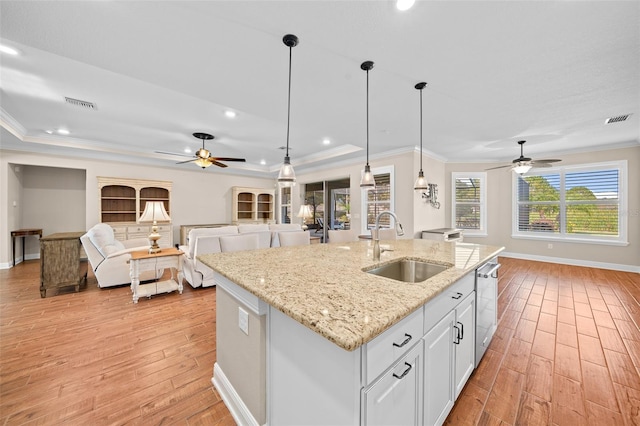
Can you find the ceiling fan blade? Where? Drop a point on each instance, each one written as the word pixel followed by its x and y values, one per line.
pixel 541 165
pixel 173 153
pixel 186 161
pixel 500 167
pixel 213 161
pixel 227 159
pixel 545 161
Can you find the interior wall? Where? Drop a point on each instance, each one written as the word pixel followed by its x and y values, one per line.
pixel 414 214
pixel 198 196
pixel 499 214
pixel 425 215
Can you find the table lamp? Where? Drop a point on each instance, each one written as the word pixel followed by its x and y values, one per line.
pixel 155 212
pixel 305 213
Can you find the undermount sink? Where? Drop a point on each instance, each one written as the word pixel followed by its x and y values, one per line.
pixel 408 271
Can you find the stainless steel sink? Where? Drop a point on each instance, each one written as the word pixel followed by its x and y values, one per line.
pixel 408 271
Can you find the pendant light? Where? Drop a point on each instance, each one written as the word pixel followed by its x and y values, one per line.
pixel 287 177
pixel 368 182
pixel 421 183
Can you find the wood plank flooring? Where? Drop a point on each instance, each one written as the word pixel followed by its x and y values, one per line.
pixel 567 352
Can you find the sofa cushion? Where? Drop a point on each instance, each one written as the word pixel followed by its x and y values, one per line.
pixel 282 227
pixel 250 229
pixel 202 232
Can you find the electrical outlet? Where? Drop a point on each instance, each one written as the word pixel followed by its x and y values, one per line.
pixel 243 321
pixel 549 246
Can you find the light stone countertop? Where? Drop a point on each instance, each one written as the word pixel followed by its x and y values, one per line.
pixel 323 286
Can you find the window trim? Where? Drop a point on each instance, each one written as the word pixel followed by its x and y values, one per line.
pixel 620 240
pixel 483 231
pixel 363 194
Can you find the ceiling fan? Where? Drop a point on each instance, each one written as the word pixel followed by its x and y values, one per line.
pixel 203 157
pixel 523 164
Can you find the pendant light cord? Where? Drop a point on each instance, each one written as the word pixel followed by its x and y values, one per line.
pixel 367 117
pixel 420 129
pixel 289 100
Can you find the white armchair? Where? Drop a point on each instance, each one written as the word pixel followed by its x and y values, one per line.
pixel 202 241
pixel 109 258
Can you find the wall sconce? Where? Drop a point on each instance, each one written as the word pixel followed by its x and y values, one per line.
pixel 432 195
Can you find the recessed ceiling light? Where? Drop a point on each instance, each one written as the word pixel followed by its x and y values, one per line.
pixel 405 4
pixel 230 114
pixel 63 131
pixel 326 141
pixel 263 162
pixel 8 50
pixel 187 150
pixel 49 131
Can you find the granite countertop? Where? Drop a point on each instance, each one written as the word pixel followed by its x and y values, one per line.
pixel 323 286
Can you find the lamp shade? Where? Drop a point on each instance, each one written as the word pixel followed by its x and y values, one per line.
pixel 154 211
pixel 305 211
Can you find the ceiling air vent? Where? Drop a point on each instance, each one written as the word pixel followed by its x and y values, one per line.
pixel 78 102
pixel 616 119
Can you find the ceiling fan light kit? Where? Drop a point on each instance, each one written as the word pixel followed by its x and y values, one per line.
pixel 203 157
pixel 368 181
pixel 287 176
pixel 522 164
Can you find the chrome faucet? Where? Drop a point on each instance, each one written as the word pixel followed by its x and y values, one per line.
pixel 376 232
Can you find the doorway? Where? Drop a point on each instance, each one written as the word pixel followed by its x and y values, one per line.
pixel 330 203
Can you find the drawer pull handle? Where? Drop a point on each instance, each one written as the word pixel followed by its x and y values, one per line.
pixel 457 296
pixel 404 373
pixel 405 341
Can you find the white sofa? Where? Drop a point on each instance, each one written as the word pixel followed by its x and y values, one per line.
pixel 207 240
pixel 109 258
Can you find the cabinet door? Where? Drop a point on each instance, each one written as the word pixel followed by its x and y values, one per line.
pixel 396 397
pixel 464 331
pixel 438 371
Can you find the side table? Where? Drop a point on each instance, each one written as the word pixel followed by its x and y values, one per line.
pixel 60 262
pixel 145 261
pixel 22 233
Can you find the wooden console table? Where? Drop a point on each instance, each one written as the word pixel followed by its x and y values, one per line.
pixel 145 261
pixel 22 233
pixel 60 262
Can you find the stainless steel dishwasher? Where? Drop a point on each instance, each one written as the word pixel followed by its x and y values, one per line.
pixel 486 305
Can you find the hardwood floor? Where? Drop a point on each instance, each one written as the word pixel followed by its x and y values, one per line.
pixel 567 352
pixel 94 357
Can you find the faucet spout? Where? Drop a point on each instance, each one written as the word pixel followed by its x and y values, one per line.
pixel 376 232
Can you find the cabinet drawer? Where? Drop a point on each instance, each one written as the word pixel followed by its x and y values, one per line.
pixel 437 308
pixel 382 351
pixel 164 228
pixel 138 229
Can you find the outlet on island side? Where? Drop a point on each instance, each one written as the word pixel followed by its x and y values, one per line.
pixel 550 246
pixel 243 321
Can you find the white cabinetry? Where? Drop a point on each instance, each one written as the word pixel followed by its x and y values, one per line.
pixel 122 201
pixel 252 205
pixel 449 348
pixel 395 398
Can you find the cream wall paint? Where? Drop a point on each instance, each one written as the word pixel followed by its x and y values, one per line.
pixel 198 196
pixel 499 196
pixel 414 214
pixel 54 199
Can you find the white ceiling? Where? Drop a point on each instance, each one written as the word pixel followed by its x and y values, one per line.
pixel 549 72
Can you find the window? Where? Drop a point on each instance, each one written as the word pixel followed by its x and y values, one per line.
pixel 469 208
pixel 577 203
pixel 378 200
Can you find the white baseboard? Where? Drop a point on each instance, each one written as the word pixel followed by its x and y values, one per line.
pixel 19 260
pixel 232 400
pixel 574 262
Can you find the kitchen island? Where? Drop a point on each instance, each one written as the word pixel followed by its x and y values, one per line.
pixel 297 327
